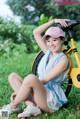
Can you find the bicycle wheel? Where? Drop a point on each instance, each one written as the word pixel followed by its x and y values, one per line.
pixel 67 85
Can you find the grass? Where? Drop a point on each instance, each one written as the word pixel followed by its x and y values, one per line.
pixel 21 63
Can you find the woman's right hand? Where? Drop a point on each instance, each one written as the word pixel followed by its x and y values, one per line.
pixel 13 95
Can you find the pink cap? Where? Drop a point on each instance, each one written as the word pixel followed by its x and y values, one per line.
pixel 54 32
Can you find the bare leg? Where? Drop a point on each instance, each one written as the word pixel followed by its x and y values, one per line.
pixel 31 83
pixel 16 81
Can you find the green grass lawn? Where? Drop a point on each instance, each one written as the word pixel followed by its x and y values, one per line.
pixel 21 63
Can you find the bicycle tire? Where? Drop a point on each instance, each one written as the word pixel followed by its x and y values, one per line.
pixel 68 85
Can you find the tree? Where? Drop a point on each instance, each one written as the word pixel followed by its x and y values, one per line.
pixel 30 10
pixel 70 11
pixel 17 34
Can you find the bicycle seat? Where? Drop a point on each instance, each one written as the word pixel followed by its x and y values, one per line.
pixel 70 26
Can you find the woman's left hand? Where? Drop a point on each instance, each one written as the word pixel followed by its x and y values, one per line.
pixel 63 22
pixel 13 95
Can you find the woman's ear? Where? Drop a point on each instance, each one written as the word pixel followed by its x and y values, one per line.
pixel 62 41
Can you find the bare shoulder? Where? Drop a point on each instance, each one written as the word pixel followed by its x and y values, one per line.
pixel 64 60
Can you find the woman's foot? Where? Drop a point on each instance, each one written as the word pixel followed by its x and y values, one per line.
pixel 30 111
pixel 10 110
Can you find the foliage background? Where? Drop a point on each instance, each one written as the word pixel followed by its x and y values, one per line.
pixel 34 13
pixel 18 47
pixel 31 10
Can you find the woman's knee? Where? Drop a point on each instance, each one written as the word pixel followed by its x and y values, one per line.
pixel 12 77
pixel 31 78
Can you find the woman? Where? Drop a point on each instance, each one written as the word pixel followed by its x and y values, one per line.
pixel 42 93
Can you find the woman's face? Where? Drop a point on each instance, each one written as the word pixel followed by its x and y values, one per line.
pixel 55 45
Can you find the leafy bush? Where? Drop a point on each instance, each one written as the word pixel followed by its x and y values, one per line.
pixel 6 47
pixel 17 34
pixel 44 19
pixel 9 48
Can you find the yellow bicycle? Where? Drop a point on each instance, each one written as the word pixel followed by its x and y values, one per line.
pixel 73 77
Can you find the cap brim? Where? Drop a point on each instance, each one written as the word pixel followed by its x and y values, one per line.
pixel 44 37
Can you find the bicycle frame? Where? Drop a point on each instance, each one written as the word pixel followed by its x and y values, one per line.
pixel 74 73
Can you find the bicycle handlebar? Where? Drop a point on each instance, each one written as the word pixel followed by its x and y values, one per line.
pixel 70 26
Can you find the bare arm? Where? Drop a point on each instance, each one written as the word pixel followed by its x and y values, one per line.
pixel 38 37
pixel 39 30
pixel 57 70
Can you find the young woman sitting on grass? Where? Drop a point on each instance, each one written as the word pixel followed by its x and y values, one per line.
pixel 42 93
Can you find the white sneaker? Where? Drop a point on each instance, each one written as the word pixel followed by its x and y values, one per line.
pixel 10 110
pixel 30 111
